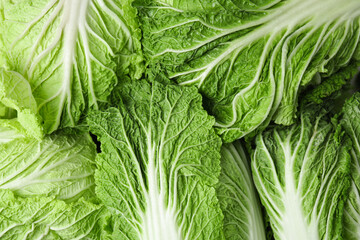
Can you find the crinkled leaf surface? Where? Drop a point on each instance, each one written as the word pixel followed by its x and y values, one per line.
pixel 302 174
pixel 250 59
pixel 332 84
pixel 237 195
pixel 159 163
pixel 60 165
pixel 17 105
pixel 70 52
pixel 46 218
pixel 351 124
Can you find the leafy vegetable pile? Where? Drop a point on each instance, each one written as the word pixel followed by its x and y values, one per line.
pixel 179 120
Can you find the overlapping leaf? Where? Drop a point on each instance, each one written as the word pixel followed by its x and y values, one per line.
pixel 237 195
pixel 159 163
pixel 302 174
pixel 70 52
pixel 250 59
pixel 60 165
pixel 351 124
pixel 46 218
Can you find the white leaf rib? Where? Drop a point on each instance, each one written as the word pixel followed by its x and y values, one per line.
pixel 129 208
pixel 277 20
pixel 24 167
pixel 33 22
pixel 183 208
pixel 44 29
pixel 239 161
pixel 115 6
pixel 46 78
pixel 253 82
pixel 307 152
pixel 87 53
pixel 273 168
pixel 93 33
pixel 324 192
pixel 118 20
pixel 244 197
pixel 187 22
pixel 133 155
pixel 266 198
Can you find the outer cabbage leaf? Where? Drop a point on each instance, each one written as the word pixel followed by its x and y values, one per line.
pixel 302 174
pixel 46 218
pixel 60 165
pixel 159 163
pixel 238 197
pixel 351 124
pixel 249 59
pixel 70 52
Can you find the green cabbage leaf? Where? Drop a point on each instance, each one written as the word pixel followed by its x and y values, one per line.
pixel 249 59
pixel 237 195
pixel 302 174
pixel 159 163
pixel 18 108
pixel 351 124
pixel 70 53
pixel 46 218
pixel 61 166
